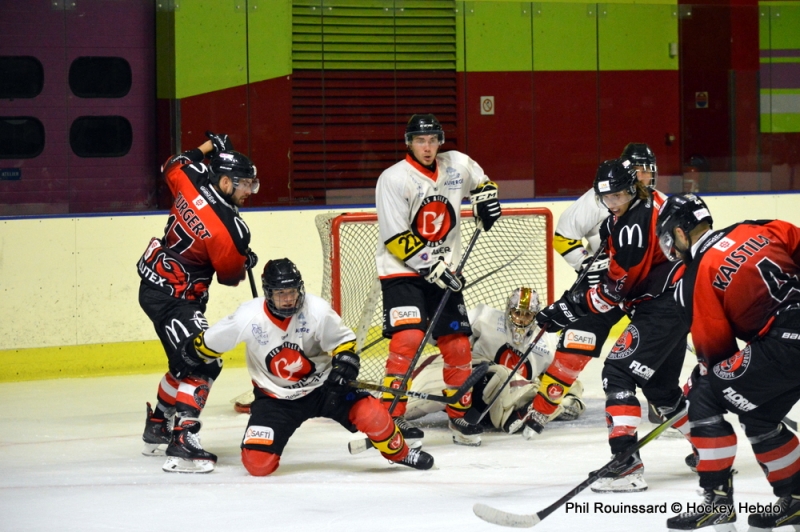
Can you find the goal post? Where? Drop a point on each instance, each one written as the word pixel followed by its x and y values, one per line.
pixel 516 252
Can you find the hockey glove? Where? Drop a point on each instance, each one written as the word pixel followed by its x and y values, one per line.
pixel 220 142
pixel 344 369
pixel 485 207
pixel 441 275
pixel 561 314
pixel 597 270
pixel 250 260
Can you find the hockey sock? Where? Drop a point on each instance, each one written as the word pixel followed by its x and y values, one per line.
pixel 457 367
pixel 715 441
pixel 368 416
pixel 192 395
pixel 777 454
pixel 167 391
pixel 402 348
pixel 557 380
pixel 623 415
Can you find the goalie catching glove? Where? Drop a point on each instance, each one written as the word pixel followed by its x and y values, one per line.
pixel 485 207
pixel 441 275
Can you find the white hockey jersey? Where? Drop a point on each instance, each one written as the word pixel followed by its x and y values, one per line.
pixel 579 221
pixel 493 342
pixel 288 359
pixel 409 198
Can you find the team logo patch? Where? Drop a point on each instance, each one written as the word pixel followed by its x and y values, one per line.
pixel 199 202
pixel 434 220
pixel 735 366
pixel 580 340
pixel 288 362
pixel 260 335
pixel 396 442
pixel 258 435
pixel 509 357
pixel 724 244
pixel 404 316
pixel 555 391
pixel 626 344
pixel 466 400
pixel 201 395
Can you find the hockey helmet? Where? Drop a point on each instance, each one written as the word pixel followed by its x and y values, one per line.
pixel 424 124
pixel 640 154
pixel 522 307
pixel 686 211
pixel 282 274
pixel 236 166
pixel 614 176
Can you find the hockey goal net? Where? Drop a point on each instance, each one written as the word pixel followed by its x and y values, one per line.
pixel 516 252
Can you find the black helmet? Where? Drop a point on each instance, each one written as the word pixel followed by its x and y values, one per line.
pixel 235 165
pixel 282 274
pixel 615 175
pixel 686 211
pixel 424 125
pixel 640 154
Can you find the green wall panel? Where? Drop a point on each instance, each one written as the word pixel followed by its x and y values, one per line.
pixel 637 37
pixel 564 37
pixel 269 36
pixel 784 25
pixel 498 36
pixel 210 46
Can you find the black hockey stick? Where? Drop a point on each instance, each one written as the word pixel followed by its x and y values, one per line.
pixel 484 276
pixel 252 282
pixel 361 445
pixel 473 416
pixel 434 319
pixel 499 517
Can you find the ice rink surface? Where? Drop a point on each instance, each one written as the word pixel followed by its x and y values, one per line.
pixel 70 460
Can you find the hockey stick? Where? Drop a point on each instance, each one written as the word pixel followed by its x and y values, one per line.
pixel 506 265
pixel 499 517
pixel 473 416
pixel 435 319
pixel 361 445
pixel 252 282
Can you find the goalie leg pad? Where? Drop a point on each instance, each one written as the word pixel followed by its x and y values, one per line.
pixel 260 463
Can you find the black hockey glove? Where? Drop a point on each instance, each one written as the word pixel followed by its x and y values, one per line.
pixel 485 207
pixel 220 142
pixel 596 271
pixel 184 360
pixel 562 313
pixel 441 275
pixel 251 259
pixel 344 368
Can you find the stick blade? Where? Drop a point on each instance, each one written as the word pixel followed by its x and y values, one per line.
pixel 499 517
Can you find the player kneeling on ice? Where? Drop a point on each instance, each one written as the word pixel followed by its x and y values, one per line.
pixel 289 335
pixel 502 338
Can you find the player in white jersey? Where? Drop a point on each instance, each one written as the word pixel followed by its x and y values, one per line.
pixel 300 358
pixel 501 338
pixel 583 340
pixel 418 203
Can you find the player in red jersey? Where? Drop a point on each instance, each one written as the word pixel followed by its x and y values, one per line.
pixel 740 283
pixel 204 234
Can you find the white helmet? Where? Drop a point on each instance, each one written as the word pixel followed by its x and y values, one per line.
pixel 523 305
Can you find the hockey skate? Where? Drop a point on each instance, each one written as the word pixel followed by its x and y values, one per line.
pixel 156 434
pixel 464 433
pixel 184 453
pixel 417 459
pixel 411 434
pixel 715 512
pixel 627 477
pixel 787 514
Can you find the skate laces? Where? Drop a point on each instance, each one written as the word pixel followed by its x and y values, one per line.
pixel 412 457
pixel 401 423
pixel 194 440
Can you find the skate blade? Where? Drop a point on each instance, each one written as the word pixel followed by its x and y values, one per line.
pixel 468 441
pixel 182 465
pixel 154 449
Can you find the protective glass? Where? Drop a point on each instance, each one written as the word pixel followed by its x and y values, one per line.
pixel 422 141
pixel 249 185
pixel 667 244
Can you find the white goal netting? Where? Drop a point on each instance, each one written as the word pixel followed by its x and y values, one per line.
pixel 516 252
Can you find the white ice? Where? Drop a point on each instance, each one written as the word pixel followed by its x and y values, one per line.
pixel 70 460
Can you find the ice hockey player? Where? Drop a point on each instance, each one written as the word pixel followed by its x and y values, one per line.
pixel 649 354
pixel 300 358
pixel 204 234
pixel 741 283
pixel 501 338
pixel 583 340
pixel 418 204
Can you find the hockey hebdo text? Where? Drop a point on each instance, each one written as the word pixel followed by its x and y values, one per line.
pixel 675 507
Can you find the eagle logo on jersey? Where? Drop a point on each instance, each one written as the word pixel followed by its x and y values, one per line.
pixel 434 220
pixel 625 344
pixel 288 362
pixel 735 366
pixel 508 357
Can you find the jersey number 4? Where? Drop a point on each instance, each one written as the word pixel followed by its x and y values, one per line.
pixel 779 283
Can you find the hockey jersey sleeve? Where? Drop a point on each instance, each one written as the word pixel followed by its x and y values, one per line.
pixel 229 332
pixel 581 220
pixel 226 254
pixel 330 331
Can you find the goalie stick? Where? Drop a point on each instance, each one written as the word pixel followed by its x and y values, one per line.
pixel 473 416
pixel 359 446
pixel 499 517
pixel 435 318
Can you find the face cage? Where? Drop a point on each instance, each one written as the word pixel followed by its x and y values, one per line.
pixel 518 329
pixel 286 312
pixel 653 169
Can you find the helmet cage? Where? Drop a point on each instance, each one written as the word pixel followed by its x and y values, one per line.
pixel 685 211
pixel 640 155
pixel 423 124
pixel 282 274
pixel 522 307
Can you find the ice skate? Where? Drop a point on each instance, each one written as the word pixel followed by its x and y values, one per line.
pixel 716 512
pixel 411 434
pixel 786 512
pixel 464 433
pixel 185 454
pixel 417 459
pixel 156 434
pixel 627 477
pixel 534 425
